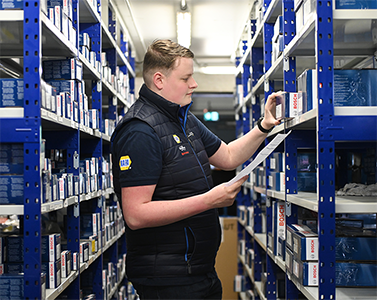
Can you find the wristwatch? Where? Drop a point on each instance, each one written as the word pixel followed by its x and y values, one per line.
pixel 259 123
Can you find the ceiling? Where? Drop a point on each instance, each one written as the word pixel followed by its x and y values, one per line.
pixel 216 26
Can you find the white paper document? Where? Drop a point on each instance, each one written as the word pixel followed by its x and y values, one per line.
pixel 266 151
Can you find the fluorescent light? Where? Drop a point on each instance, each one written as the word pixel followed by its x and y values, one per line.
pixel 184 29
pixel 218 70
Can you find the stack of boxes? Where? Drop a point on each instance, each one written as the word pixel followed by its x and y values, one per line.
pixel 355 252
pixel 301 254
pixel 11 173
pixel 88 178
pixel 51 259
pixel 69 100
pixel 60 12
pixel 57 183
pixel 107 174
pixel 84 46
pixel 11 97
pixel 90 235
pixel 112 274
pixel 276 179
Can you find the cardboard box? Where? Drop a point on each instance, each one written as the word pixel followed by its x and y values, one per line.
pixel 226 261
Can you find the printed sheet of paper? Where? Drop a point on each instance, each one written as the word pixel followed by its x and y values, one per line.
pixel 266 151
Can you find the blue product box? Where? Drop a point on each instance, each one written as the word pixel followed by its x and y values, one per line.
pixel 355 4
pixel 307 85
pixel 278 223
pixel 276 181
pixel 84 40
pixel 277 162
pixel 75 261
pixel 53 269
pixel 356 248
pixel 14 249
pixel 288 105
pixel 11 92
pixel 11 4
pixel 66 263
pixel 281 248
pixel 306 161
pixel 11 158
pixel 307 273
pixel 11 287
pixel 292 228
pixel 289 260
pixel 93 118
pixel 355 275
pixel 2 249
pixel 62 69
pixel 12 189
pixel 305 245
pixel 86 225
pixel 355 87
pixel 69 86
pixel 306 181
pixel 65 5
pixel 51 247
pixel 84 252
pixel 14 268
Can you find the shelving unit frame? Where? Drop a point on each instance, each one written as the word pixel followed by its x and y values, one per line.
pixel 40 38
pixel 323 128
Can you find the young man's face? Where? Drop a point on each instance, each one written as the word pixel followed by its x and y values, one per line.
pixel 179 83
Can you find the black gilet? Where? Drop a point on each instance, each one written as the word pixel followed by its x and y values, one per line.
pixel 188 246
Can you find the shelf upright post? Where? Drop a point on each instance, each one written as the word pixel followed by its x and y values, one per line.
pixel 325 150
pixel 289 83
pixel 268 32
pixel 270 263
pixel 73 215
pixel 32 56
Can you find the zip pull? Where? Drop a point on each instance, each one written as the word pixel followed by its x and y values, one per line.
pixel 189 267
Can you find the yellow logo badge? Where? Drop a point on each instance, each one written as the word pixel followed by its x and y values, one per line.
pixel 125 163
pixel 177 139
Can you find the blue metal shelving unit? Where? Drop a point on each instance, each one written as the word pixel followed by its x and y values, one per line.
pixel 60 133
pixel 323 129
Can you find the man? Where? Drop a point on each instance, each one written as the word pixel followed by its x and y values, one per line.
pixel 162 156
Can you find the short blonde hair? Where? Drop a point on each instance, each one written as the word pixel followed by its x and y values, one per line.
pixel 161 56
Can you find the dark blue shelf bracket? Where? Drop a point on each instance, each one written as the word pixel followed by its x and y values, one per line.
pixel 268 33
pixel 289 29
pixel 266 4
pixel 32 41
pixel 272 270
pixel 325 151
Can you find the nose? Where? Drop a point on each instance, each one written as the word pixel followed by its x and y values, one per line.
pixel 193 84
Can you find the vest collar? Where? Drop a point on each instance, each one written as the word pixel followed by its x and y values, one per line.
pixel 173 110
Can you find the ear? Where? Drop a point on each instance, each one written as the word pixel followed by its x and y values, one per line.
pixel 158 80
